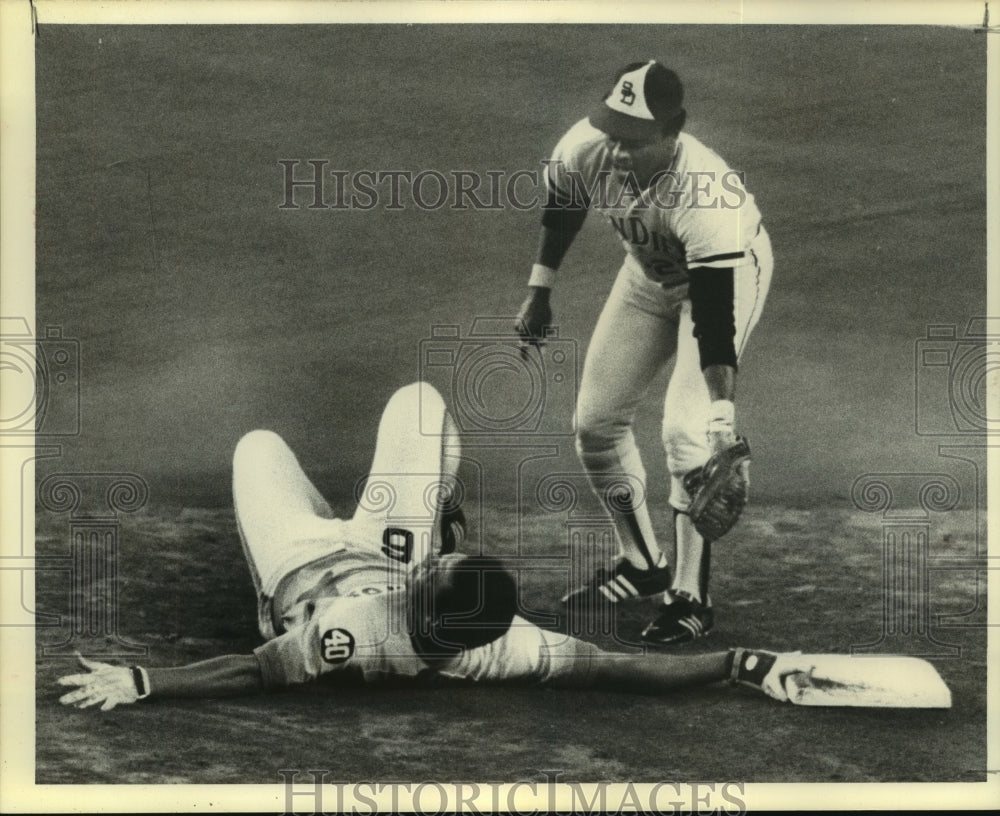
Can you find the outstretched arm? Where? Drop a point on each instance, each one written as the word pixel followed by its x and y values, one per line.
pixel 110 686
pixel 658 673
pixel 216 677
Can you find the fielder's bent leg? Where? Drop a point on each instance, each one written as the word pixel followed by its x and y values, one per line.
pixel 688 613
pixel 615 377
pixel 685 423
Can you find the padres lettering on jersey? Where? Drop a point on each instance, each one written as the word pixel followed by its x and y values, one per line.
pixel 695 213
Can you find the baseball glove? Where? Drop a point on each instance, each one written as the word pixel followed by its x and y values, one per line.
pixel 719 491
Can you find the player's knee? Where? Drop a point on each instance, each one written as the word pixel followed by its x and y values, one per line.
pixel 673 431
pixel 597 433
pixel 412 398
pixel 253 444
pixel 684 453
pixel 684 439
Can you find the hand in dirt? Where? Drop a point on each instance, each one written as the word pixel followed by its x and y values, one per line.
pixel 105 684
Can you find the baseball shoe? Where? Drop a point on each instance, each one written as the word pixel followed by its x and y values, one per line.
pixel 453 530
pixel 621 583
pixel 682 621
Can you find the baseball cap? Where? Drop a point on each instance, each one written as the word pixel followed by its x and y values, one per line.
pixel 645 98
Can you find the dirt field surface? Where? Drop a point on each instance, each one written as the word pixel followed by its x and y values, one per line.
pixel 829 573
pixel 201 308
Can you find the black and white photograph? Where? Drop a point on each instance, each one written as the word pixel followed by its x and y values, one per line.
pixel 477 407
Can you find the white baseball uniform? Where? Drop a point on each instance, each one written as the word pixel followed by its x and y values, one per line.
pixel 366 636
pixel 697 214
pixel 331 593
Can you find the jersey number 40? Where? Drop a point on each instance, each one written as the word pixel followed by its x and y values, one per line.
pixel 338 645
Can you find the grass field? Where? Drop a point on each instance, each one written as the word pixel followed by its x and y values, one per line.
pixel 203 309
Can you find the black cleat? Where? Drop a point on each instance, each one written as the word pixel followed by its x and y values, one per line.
pixel 682 621
pixel 620 583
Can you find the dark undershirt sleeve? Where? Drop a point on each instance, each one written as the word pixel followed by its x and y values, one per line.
pixel 712 309
pixel 563 215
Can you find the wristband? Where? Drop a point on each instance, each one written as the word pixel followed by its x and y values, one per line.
pixel 541 275
pixel 735 658
pixel 750 666
pixel 721 416
pixel 141 680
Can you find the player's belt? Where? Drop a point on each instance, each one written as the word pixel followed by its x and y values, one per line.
pixel 336 574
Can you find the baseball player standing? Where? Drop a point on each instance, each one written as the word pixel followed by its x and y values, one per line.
pixel 382 596
pixel 695 276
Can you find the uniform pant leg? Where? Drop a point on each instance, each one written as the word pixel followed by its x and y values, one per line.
pixel 281 516
pixel 282 519
pixel 635 336
pixel 412 476
pixel 685 416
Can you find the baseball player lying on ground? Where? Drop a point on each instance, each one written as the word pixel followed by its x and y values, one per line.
pixel 383 595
